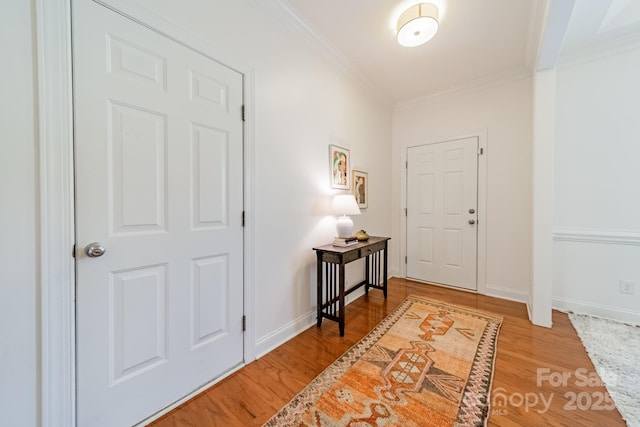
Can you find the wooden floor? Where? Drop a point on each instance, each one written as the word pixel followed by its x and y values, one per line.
pixel 543 377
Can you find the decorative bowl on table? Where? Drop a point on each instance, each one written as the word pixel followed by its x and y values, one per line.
pixel 362 236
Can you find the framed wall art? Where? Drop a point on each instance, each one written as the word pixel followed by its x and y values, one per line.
pixel 361 188
pixel 339 162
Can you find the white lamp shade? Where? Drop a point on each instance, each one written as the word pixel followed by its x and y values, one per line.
pixel 345 204
pixel 417 25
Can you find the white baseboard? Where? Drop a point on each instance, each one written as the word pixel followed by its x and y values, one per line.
pixel 489 290
pixel 583 307
pixel 283 334
pixel 506 293
pixel 278 337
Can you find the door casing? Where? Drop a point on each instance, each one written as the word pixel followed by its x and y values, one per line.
pixel 482 201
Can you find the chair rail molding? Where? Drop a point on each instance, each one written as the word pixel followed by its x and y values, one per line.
pixel 602 236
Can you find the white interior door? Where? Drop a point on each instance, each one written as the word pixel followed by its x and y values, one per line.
pixel 442 194
pixel 158 163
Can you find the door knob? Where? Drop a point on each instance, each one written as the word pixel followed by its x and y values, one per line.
pixel 472 221
pixel 472 210
pixel 94 250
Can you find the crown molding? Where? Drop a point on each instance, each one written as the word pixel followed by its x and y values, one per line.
pixel 481 83
pixel 284 12
pixel 536 25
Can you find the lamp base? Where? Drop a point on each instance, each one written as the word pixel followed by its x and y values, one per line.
pixel 344 226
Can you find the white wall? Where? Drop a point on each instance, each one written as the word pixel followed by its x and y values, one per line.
pixel 504 110
pixel 597 185
pixel 303 102
pixel 18 220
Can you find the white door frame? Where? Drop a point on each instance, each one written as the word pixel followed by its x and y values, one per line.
pixel 56 198
pixel 481 278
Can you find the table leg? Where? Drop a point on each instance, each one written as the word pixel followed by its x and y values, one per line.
pixel 341 299
pixel 384 269
pixel 367 275
pixel 319 289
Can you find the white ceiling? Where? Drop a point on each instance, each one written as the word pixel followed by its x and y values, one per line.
pixel 602 23
pixel 478 40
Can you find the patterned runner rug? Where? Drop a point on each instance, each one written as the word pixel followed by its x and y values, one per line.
pixel 426 364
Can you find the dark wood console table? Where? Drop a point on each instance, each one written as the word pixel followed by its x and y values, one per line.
pixel 331 262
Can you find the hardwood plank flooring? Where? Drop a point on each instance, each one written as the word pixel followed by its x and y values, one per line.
pixel 543 376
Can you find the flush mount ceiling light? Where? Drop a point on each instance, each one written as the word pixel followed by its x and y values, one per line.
pixel 417 25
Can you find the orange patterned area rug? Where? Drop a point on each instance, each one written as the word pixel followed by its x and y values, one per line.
pixel 426 364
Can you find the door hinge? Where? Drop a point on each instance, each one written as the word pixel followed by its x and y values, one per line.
pixel 243 218
pixel 405 259
pixel 405 211
pixel 244 323
pixel 73 251
pixel 406 164
pixel 243 116
pixel 480 151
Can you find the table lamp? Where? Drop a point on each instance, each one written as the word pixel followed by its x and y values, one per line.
pixel 345 204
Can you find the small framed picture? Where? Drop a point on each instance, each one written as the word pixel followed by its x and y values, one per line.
pixel 361 188
pixel 339 162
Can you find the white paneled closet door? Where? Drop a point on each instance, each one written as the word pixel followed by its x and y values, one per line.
pixel 158 166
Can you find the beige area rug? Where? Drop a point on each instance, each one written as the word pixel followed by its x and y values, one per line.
pixel 614 348
pixel 427 364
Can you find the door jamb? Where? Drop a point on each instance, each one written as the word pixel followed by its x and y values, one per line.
pixel 56 279
pixel 481 253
